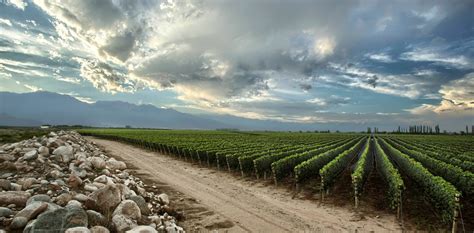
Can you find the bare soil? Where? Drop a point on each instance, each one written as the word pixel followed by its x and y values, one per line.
pixel 227 202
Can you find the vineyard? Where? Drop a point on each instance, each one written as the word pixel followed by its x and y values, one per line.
pixel 438 168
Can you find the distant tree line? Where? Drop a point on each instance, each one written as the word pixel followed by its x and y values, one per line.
pixel 427 129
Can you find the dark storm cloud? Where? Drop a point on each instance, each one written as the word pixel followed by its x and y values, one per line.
pixel 306 87
pixel 373 80
pixel 121 46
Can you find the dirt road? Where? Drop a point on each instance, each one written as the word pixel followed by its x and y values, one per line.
pixel 219 200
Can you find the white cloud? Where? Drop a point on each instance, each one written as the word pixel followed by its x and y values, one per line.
pixel 380 57
pixel 5 75
pixel 104 77
pixel 32 88
pixel 437 57
pixel 189 45
pixel 6 22
pixel 68 79
pixel 422 109
pixel 32 22
pixel 80 98
pixel 433 96
pixel 20 4
pixel 23 68
pixel 317 101
pixel 458 94
pixel 388 113
pixel 107 79
pixel 425 72
pixel 85 99
pixel 331 101
pixel 457 97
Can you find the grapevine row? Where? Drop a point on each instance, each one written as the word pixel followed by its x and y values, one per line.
pixel 333 169
pixel 443 196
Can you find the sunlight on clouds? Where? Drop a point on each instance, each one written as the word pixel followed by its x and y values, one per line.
pixel 32 88
pixel 110 80
pixel 104 78
pixel 20 4
pixel 324 47
pixel 457 97
pixel 459 93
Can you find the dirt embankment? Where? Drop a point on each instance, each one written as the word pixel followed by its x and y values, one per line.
pixel 219 200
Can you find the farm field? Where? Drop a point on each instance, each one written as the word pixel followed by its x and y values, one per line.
pixel 14 134
pixel 423 179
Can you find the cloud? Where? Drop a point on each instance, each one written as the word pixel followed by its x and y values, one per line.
pixel 380 57
pixel 20 4
pixel 120 46
pixel 32 88
pixel 190 46
pixel 104 77
pixel 324 47
pixel 331 101
pixel 425 72
pixel 383 23
pixel 438 55
pixel 85 99
pixel 256 59
pixel 457 96
pixel 429 14
pixel 6 22
pixel 78 14
pixel 306 87
pixel 429 17
pixel 20 68
pixel 422 109
pixel 372 81
pixel 80 98
pixel 5 75
pixel 405 85
pixel 107 79
pixel 68 79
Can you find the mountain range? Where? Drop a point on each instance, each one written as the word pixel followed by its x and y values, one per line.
pixel 37 108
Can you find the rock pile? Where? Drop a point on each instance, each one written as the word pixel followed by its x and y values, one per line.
pixel 64 183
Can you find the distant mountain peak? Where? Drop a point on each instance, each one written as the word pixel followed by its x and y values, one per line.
pixel 60 109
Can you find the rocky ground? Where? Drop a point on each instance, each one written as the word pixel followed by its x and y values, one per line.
pixel 64 183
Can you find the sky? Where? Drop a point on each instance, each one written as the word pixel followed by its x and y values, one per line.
pixel 299 61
